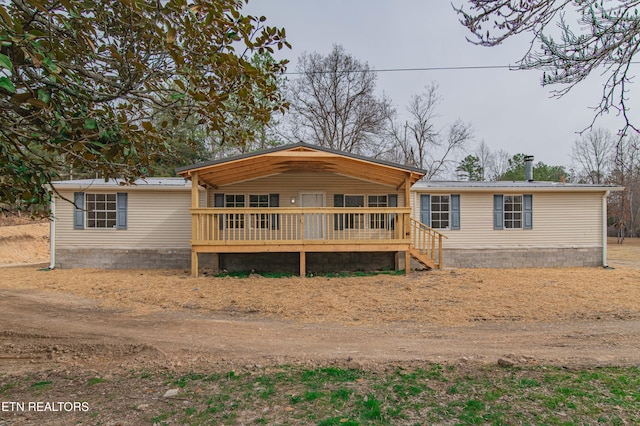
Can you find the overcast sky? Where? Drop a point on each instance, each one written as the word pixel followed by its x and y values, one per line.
pixel 509 110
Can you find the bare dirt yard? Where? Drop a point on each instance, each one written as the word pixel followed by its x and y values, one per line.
pixel 110 322
pixel 99 318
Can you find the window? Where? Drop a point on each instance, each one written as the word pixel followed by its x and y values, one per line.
pixel 354 220
pixel 377 220
pixel 259 220
pixel 234 220
pixel 513 211
pixel 100 211
pixel 440 211
pixel 358 220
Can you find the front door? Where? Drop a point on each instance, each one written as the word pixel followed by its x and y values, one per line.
pixel 313 223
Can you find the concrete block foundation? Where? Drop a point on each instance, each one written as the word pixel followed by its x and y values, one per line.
pixel 123 258
pixel 522 257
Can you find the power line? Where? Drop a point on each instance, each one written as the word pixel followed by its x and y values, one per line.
pixel 459 68
pixel 476 67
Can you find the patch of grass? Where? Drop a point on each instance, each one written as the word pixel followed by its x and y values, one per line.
pixel 312 396
pixel 6 387
pixel 42 385
pixel 340 395
pixel 331 395
pixel 330 374
pixel 182 381
pixel 160 419
pixel 95 380
pixel 371 409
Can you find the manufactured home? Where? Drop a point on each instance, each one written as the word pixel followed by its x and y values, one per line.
pixel 306 209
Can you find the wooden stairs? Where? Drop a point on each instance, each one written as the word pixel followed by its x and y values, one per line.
pixel 426 245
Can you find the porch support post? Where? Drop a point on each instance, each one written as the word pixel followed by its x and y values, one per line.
pixel 407 222
pixel 194 190
pixel 303 264
pixel 194 224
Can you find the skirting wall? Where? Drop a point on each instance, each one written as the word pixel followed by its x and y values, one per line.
pixel 521 258
pixel 123 258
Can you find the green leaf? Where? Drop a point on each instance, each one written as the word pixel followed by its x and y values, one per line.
pixel 44 96
pixel 7 85
pixel 90 124
pixel 5 62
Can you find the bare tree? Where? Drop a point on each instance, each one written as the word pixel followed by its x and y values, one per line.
pixel 604 40
pixel 418 142
pixel 625 206
pixel 499 165
pixel 333 103
pixel 487 159
pixel 594 155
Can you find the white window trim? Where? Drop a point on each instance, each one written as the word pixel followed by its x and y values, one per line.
pixel 504 212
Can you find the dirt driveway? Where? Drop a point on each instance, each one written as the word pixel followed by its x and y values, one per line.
pixel 106 320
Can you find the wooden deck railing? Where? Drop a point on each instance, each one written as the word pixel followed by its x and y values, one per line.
pixel 427 242
pixel 284 225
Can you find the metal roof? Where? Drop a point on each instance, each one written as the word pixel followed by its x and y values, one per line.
pixel 422 186
pixel 146 183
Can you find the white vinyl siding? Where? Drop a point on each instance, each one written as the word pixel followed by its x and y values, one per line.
pixel 155 219
pixel 561 219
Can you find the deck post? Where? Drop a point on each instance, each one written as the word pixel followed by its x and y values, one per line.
pixel 303 264
pixel 407 262
pixel 194 224
pixel 407 222
pixel 194 263
pixel 440 251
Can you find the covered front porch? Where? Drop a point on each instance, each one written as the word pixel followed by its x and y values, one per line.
pixel 370 220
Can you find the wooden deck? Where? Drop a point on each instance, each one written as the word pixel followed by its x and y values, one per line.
pixel 283 229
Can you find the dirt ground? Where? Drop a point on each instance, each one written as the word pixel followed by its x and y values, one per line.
pixel 112 321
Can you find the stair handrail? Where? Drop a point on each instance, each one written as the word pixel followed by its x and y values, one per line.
pixel 432 239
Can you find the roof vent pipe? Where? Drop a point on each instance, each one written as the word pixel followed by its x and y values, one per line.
pixel 528 168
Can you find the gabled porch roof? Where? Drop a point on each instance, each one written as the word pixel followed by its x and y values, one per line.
pixel 300 157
